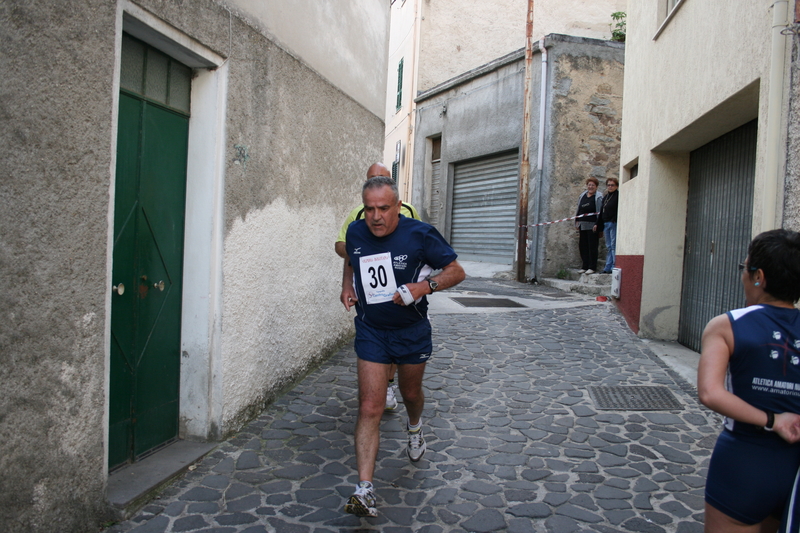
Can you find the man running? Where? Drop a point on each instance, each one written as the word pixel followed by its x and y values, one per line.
pixel 376 169
pixel 392 258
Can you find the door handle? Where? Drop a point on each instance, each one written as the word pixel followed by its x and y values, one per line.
pixel 119 289
pixel 159 285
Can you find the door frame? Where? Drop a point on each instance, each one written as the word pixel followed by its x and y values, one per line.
pixel 200 411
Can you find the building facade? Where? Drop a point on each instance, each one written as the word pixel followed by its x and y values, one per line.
pixel 175 175
pixel 469 135
pixel 703 160
pixel 433 42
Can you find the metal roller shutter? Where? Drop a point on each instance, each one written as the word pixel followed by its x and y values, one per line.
pixel 483 226
pixel 718 229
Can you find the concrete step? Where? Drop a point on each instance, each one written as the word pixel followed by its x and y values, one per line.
pixel 589 284
pixel 573 274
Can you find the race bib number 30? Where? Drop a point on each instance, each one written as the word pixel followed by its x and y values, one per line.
pixel 377 277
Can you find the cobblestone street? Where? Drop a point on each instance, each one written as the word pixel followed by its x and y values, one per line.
pixel 515 441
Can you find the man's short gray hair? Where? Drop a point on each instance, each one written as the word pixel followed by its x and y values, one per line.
pixel 381 181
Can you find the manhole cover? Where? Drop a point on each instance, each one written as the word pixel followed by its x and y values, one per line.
pixel 486 302
pixel 636 398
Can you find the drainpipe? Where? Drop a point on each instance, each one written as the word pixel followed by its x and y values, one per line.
pixel 769 219
pixel 525 165
pixel 412 106
pixel 539 161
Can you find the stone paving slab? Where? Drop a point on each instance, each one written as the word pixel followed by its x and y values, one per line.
pixel 515 443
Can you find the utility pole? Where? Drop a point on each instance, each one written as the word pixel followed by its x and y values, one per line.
pixel 525 165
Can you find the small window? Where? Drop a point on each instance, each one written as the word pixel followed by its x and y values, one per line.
pixel 395 170
pixel 399 85
pixel 633 172
pixel 149 73
pixel 436 149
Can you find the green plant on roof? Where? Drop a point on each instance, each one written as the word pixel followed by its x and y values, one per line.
pixel 618 26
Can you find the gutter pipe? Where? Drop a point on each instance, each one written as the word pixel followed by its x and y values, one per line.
pixel 769 218
pixel 539 163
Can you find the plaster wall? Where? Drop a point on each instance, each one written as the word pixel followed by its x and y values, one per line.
pixel 661 293
pixel 293 143
pixel 293 149
pixel 459 36
pixel 280 304
pixel 576 17
pixel 55 158
pixel 689 57
pixel 345 41
pixel 480 117
pixel 727 75
pixel 399 126
pixel 585 122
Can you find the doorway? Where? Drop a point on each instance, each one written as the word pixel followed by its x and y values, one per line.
pixel 719 225
pixel 150 198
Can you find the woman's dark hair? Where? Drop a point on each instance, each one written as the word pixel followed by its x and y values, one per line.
pixel 593 180
pixel 777 254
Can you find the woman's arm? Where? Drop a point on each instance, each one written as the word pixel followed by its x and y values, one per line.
pixel 717 346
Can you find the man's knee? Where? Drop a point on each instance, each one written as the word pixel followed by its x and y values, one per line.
pixel 371 407
pixel 412 394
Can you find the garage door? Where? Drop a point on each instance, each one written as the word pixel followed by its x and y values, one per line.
pixel 718 229
pixel 484 208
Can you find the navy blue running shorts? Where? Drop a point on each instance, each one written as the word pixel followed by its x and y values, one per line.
pixel 750 477
pixel 407 346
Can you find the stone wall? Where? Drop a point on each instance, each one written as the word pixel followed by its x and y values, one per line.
pixel 585 123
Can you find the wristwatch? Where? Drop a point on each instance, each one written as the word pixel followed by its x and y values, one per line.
pixel 770 420
pixel 433 285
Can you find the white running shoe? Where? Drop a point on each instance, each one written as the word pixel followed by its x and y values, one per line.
pixel 391 401
pixel 416 445
pixel 581 271
pixel 362 502
pixel 590 271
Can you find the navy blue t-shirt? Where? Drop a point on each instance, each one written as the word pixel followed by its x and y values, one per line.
pixel 381 264
pixel 764 369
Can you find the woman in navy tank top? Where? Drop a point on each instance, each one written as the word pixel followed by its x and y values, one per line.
pixel 749 372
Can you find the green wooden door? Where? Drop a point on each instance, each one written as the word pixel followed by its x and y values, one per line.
pixel 148 262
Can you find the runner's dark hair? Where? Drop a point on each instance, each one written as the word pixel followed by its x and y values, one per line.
pixel 777 254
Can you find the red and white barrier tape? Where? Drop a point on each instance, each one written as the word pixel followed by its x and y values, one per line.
pixel 562 220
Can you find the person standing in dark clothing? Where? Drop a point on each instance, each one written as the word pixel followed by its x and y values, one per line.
pixel 589 204
pixel 607 222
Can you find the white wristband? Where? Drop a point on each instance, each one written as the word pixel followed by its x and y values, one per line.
pixel 405 294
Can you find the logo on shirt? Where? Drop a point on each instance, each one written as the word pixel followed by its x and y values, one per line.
pixel 400 262
pixel 357 251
